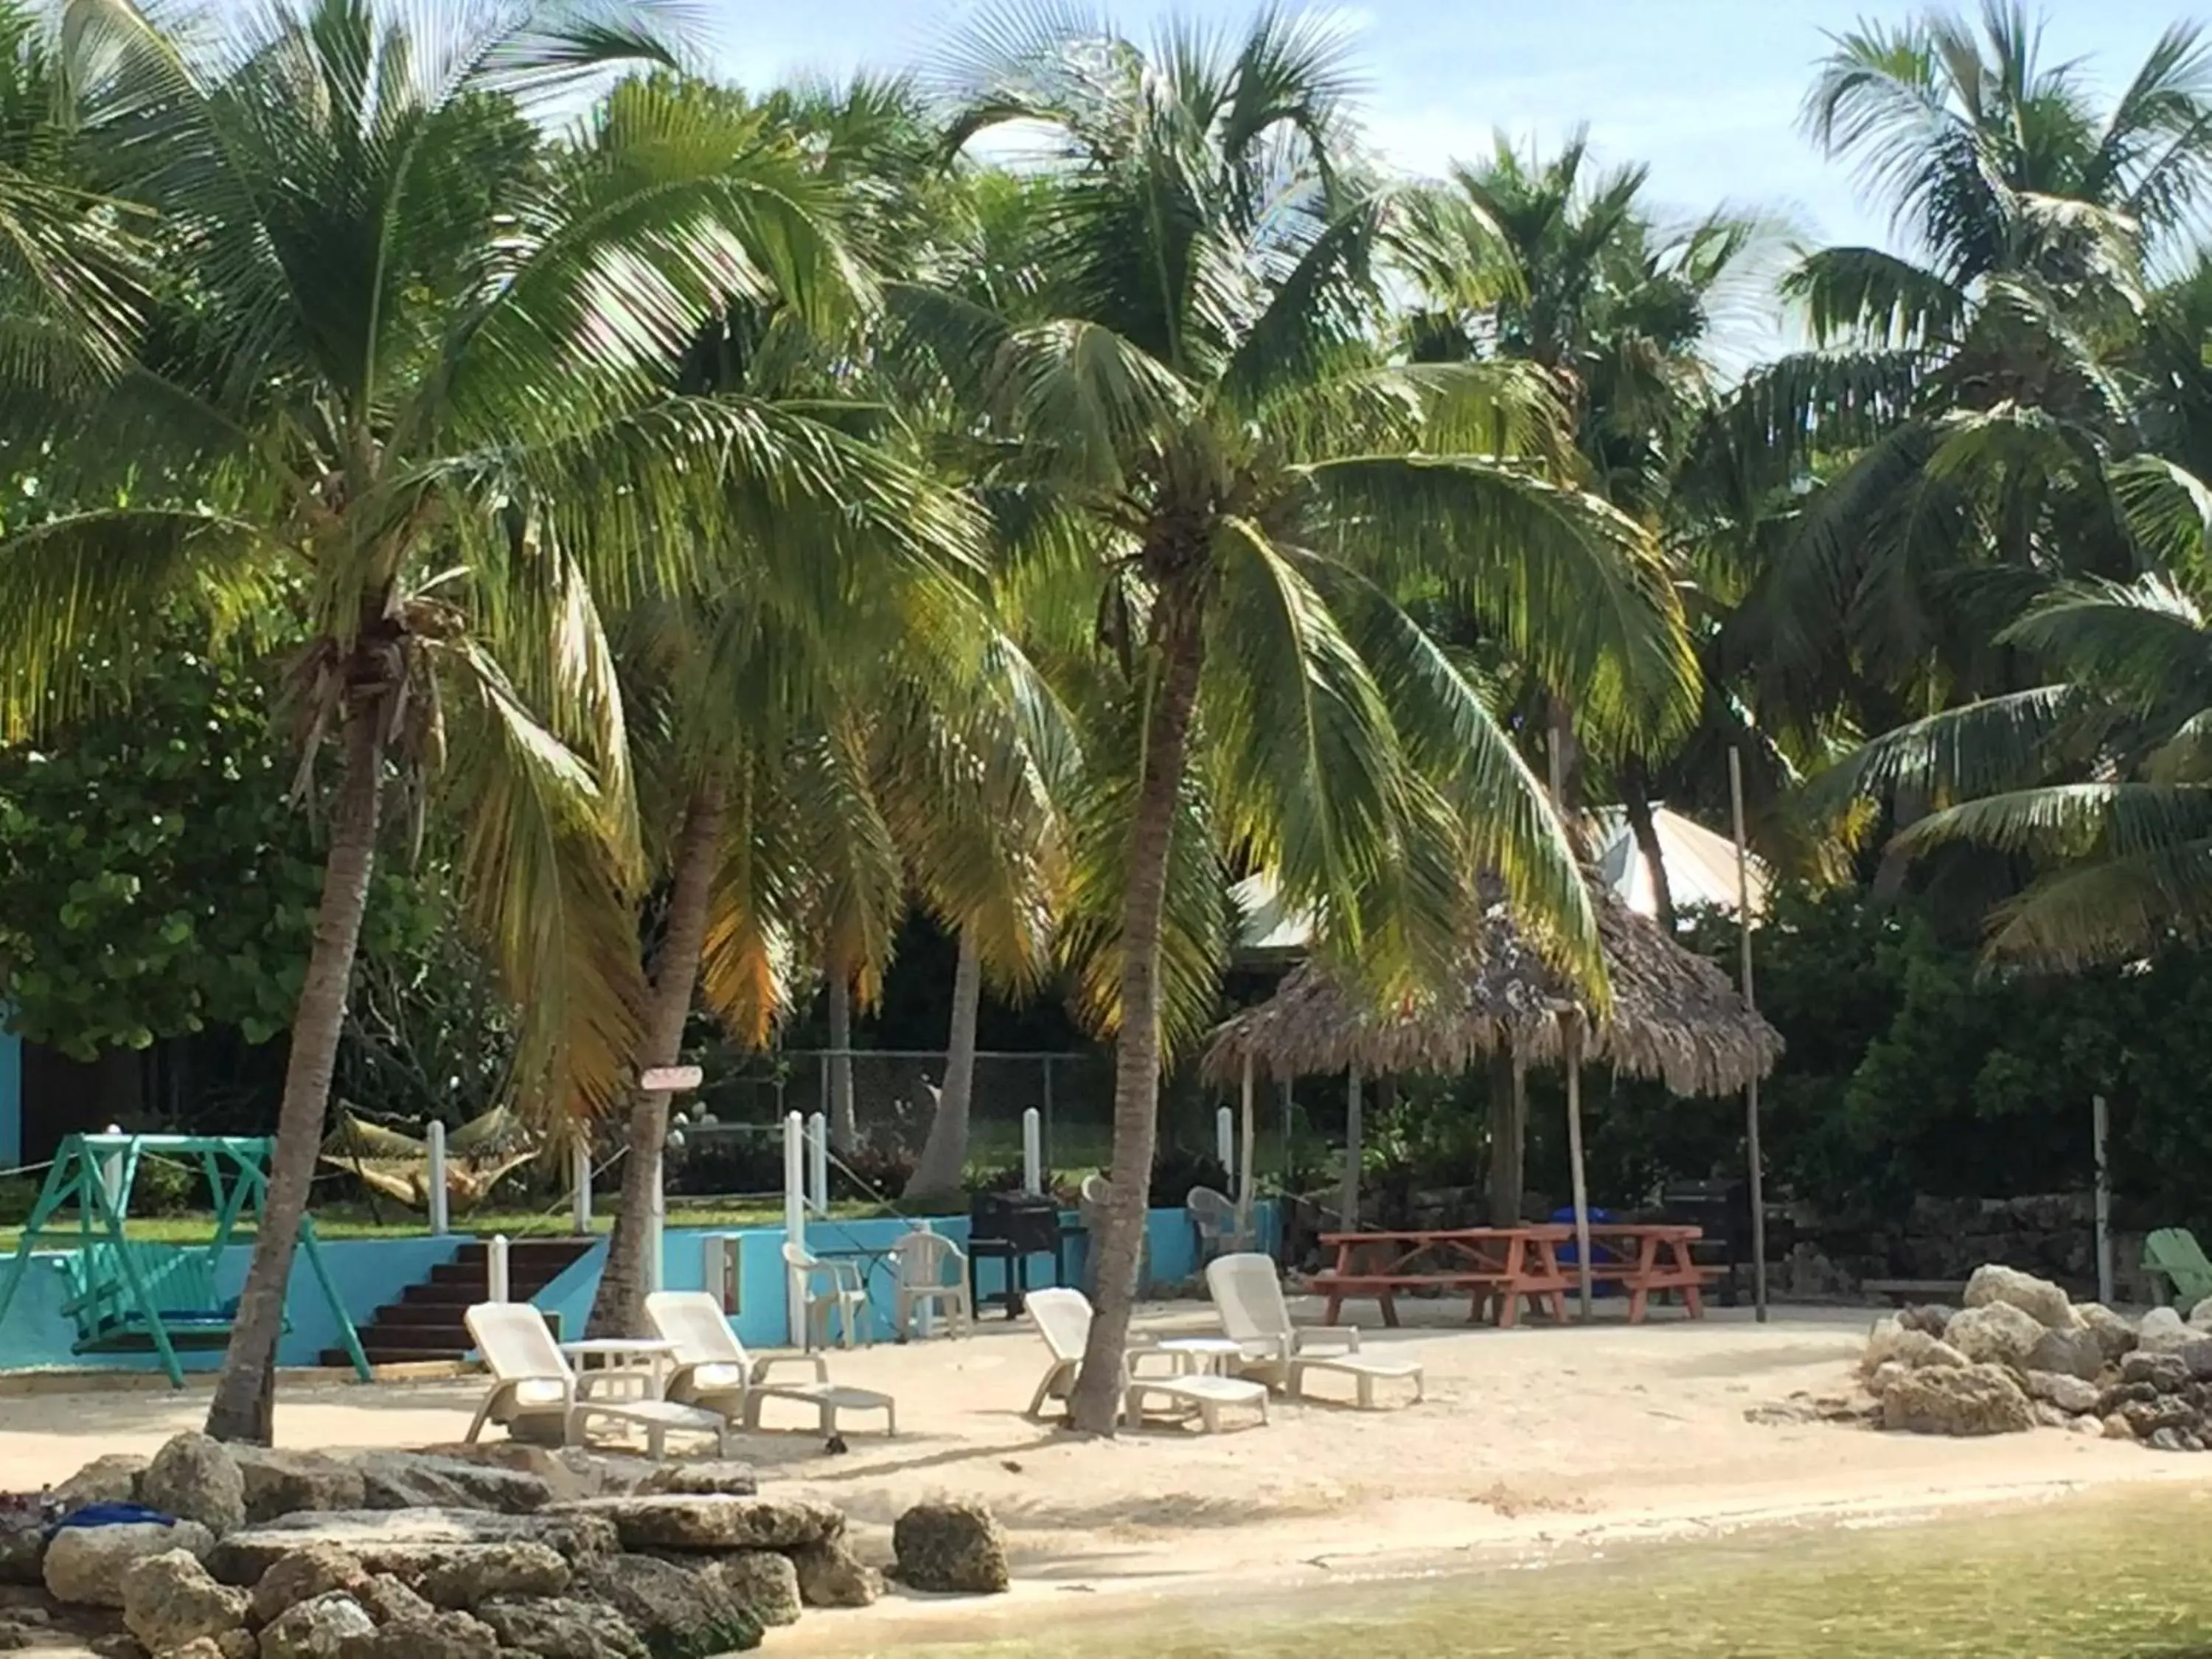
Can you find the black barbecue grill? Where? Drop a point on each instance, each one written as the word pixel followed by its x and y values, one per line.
pixel 1013 1228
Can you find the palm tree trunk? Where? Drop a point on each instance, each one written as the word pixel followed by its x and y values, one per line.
pixel 1906 809
pixel 619 1309
pixel 1094 1407
pixel 1636 798
pixel 245 1401
pixel 1509 1136
pixel 944 1160
pixel 844 1131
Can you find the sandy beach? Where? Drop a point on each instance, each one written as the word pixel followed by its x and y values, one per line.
pixel 1531 1443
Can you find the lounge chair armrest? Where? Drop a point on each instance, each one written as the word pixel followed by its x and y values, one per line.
pixel 1132 1360
pixel 764 1367
pixel 1337 1338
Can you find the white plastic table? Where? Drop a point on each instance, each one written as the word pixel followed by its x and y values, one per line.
pixel 1200 1355
pixel 631 1363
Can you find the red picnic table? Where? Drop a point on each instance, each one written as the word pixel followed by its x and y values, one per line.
pixel 1502 1266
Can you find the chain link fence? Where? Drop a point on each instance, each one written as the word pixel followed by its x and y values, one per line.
pixel 893 1099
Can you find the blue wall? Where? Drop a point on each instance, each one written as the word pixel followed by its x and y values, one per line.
pixel 367 1272
pixel 371 1272
pixel 762 1321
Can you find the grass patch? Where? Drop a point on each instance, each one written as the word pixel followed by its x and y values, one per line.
pixel 338 1221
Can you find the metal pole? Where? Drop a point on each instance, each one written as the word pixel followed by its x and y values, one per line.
pixel 496 1279
pixel 437 1192
pixel 1032 1150
pixel 794 1220
pixel 1573 1054
pixel 1352 1153
pixel 2101 1129
pixel 1248 1184
pixel 1750 1001
pixel 579 1183
pixel 1045 1143
pixel 1224 1144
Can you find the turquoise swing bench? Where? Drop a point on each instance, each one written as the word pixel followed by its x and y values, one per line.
pixel 133 1296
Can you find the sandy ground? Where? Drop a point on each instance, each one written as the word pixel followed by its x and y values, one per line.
pixel 1530 1442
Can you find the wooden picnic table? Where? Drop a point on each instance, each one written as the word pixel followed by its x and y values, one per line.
pixel 1503 1267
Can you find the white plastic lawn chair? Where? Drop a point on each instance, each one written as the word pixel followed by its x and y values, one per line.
pixel 713 1371
pixel 532 1380
pixel 1220 1230
pixel 1249 1297
pixel 1063 1320
pixel 921 1259
pixel 844 1295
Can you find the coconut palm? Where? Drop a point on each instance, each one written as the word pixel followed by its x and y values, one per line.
pixel 1231 479
pixel 1552 261
pixel 1963 437
pixel 2098 781
pixel 401 370
pixel 69 258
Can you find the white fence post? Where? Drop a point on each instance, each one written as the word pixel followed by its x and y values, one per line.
pixel 1224 1144
pixel 111 1173
pixel 579 1183
pixel 794 1219
pixel 817 1163
pixel 495 1274
pixel 1032 1150
pixel 437 1192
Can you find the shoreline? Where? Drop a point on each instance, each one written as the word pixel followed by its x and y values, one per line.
pixel 902 1618
pixel 1537 1446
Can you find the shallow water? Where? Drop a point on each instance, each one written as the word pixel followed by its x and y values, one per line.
pixel 2104 1576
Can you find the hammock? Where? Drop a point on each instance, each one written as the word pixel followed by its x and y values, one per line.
pixel 479 1154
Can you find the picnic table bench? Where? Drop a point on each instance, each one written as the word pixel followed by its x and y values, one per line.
pixel 1502 1267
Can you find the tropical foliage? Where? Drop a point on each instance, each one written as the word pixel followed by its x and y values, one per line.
pixel 708 528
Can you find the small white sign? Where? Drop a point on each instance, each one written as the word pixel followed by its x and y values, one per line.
pixel 667 1080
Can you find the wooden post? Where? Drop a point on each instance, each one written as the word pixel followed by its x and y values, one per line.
pixel 1751 1002
pixel 2101 1129
pixel 1352 1153
pixel 1571 1052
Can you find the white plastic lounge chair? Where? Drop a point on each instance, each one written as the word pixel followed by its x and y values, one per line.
pixel 1214 1217
pixel 713 1371
pixel 1249 1297
pixel 844 1294
pixel 533 1379
pixel 922 1258
pixel 1063 1319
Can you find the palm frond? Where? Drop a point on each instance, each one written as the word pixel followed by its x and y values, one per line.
pixel 541 888
pixel 1577 590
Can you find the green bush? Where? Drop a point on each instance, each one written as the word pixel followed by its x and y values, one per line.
pixel 17 1194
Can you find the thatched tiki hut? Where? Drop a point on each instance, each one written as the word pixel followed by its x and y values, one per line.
pixel 1675 1017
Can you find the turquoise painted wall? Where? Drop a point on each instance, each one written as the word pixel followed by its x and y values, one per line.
pixel 762 1320
pixel 368 1272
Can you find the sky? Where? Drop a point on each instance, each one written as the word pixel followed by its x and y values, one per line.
pixel 1704 91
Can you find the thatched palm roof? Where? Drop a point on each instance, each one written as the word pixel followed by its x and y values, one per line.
pixel 1674 1014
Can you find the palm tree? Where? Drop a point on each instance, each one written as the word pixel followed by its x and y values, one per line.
pixel 69 258
pixel 2099 781
pixel 1962 439
pixel 1236 479
pixel 400 367
pixel 1554 261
